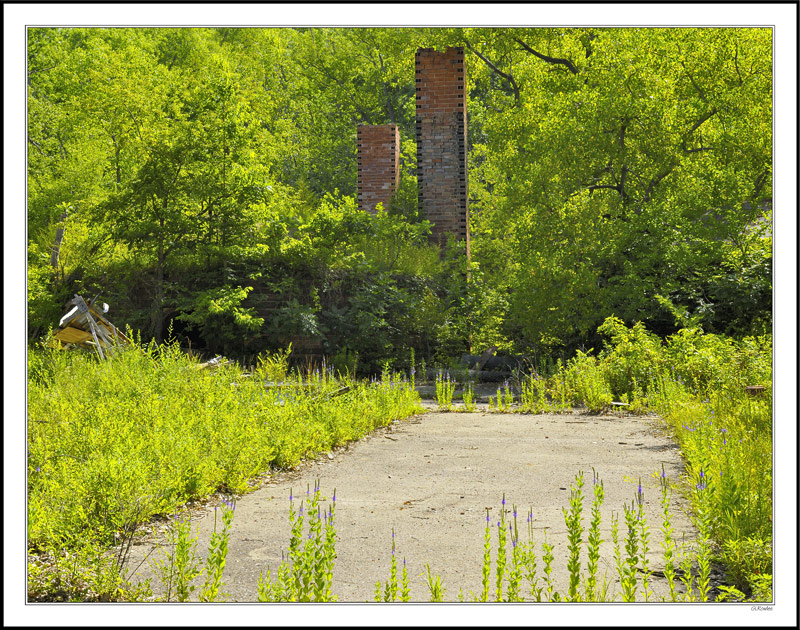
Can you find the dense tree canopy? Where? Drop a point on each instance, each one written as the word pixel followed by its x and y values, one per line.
pixel 207 176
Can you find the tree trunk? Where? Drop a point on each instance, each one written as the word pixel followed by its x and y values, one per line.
pixel 57 249
pixel 158 297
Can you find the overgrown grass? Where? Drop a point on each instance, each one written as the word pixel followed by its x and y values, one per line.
pixel 509 571
pixel 697 384
pixel 113 443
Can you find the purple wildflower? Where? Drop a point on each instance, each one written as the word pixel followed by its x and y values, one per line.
pixel 702 485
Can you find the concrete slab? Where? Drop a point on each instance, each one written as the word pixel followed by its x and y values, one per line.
pixel 431 478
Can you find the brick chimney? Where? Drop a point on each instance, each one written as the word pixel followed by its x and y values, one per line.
pixel 442 142
pixel 378 165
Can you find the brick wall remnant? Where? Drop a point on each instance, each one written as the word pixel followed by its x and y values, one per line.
pixel 442 142
pixel 378 165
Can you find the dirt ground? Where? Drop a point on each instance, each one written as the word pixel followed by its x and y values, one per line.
pixel 431 478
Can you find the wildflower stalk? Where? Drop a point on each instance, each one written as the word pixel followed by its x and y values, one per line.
pixel 294 557
pixel 187 566
pixel 405 591
pixel 629 578
pixel 217 554
pixel 515 573
pixel 306 572
pixel 548 557
pixel 595 540
pixel 668 544
pixel 508 396
pixel 501 551
pixel 468 398
pixel 529 560
pixel 434 585
pixel 412 370
pixel 572 519
pixel 615 541
pixel 644 538
pixel 390 590
pixel 487 558
pixel 330 550
pixel 704 552
pixel 687 578
pixel 182 566
pixel 444 391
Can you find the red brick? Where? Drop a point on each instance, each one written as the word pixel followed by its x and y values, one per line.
pixel 379 165
pixel 441 142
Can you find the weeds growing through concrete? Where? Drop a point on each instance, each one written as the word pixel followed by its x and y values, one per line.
pixel 445 387
pixel 468 398
pixel 696 383
pixel 306 573
pixel 388 592
pixel 217 555
pixel 594 539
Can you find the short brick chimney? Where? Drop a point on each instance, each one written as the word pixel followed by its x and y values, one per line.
pixel 378 165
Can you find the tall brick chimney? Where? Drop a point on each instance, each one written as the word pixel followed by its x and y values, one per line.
pixel 442 142
pixel 378 165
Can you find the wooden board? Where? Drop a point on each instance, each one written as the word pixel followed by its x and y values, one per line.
pixel 73 335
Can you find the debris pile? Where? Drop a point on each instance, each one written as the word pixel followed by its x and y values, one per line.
pixel 85 326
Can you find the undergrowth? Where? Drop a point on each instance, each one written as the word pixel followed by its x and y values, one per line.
pixel 697 384
pixel 111 444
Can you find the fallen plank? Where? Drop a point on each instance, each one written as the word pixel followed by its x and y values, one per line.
pixel 72 335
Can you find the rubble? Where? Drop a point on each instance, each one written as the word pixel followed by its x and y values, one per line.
pixel 85 326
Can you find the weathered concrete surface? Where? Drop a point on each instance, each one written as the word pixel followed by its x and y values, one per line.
pixel 431 477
